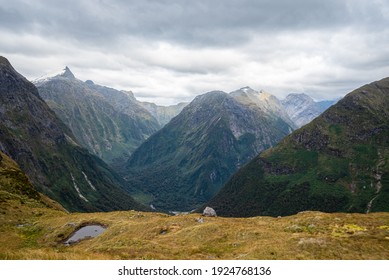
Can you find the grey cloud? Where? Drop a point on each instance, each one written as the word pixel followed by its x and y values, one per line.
pixel 321 47
pixel 201 22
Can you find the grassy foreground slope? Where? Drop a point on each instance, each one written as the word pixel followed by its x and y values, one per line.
pixel 138 235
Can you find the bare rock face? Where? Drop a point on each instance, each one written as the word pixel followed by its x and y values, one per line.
pixel 209 212
pixel 302 109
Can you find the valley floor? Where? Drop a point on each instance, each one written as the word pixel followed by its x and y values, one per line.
pixel 38 233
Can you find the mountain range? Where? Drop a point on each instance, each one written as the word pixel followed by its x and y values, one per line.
pixel 336 163
pixel 186 163
pixel 302 109
pixel 243 153
pixel 109 123
pixel 47 151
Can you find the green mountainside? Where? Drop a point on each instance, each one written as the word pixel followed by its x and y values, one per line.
pixel 109 123
pixel 15 186
pixel 185 163
pixel 338 162
pixel 46 150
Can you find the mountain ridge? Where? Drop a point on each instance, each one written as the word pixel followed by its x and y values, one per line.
pixel 105 121
pixel 302 109
pixel 337 162
pixel 47 151
pixel 185 163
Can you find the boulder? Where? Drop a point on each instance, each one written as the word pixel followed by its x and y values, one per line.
pixel 209 212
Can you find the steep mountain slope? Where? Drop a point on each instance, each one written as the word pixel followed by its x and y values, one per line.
pixel 46 150
pixel 143 122
pixel 163 114
pixel 302 108
pixel 338 162
pixel 105 121
pixel 186 162
pixel 15 186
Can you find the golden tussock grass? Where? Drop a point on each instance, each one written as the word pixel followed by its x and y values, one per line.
pixel 30 231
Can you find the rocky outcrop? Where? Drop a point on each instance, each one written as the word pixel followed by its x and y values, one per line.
pixel 209 212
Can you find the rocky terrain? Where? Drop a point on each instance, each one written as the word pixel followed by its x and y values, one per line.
pixel 302 109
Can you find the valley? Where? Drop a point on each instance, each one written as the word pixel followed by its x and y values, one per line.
pixel 280 191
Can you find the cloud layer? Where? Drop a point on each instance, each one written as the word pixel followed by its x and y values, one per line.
pixel 170 51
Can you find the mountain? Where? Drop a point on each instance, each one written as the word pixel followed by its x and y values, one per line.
pixel 337 162
pixel 189 159
pixel 108 122
pixel 163 114
pixel 302 108
pixel 265 101
pixel 46 150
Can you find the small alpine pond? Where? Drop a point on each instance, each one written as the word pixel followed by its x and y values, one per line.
pixel 85 232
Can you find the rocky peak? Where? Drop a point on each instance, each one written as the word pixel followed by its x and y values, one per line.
pixel 301 108
pixel 66 73
pixel 247 90
pixel 4 61
pixel 299 98
pixel 129 93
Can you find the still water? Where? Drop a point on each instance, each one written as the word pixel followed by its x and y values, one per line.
pixel 85 232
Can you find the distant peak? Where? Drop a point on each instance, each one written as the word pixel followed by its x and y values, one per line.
pixel 244 91
pixel 89 82
pixel 64 73
pixel 67 73
pixel 247 90
pixel 299 95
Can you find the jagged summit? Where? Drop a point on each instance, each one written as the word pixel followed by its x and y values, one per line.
pixel 64 73
pixel 243 91
pixel 247 89
pixel 301 108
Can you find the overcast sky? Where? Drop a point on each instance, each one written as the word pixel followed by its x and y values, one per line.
pixel 170 51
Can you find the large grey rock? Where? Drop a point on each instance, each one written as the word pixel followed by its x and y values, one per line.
pixel 209 212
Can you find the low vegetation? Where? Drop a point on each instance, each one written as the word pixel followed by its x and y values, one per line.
pixel 31 231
